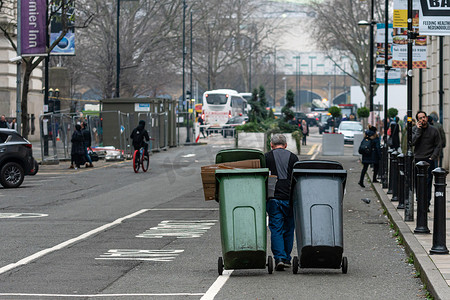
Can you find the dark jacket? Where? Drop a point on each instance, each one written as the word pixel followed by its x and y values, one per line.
pixel 375 150
pixel 77 142
pixel 3 124
pixel 280 163
pixel 139 135
pixel 87 136
pixel 426 142
pixel 395 135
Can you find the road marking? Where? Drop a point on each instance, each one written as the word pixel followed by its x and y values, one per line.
pixel 100 295
pixel 21 215
pixel 62 245
pixel 217 285
pixel 178 229
pixel 188 155
pixel 311 151
pixel 142 255
pixel 319 148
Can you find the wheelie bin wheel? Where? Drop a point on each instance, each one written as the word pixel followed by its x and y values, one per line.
pixel 220 265
pixel 344 265
pixel 270 264
pixel 295 265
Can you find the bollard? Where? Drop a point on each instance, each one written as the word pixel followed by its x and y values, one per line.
pixel 409 194
pixel 401 181
pixel 384 174
pixel 390 171
pixel 439 225
pixel 381 170
pixel 422 201
pixel 394 175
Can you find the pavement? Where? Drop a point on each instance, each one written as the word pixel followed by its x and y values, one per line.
pixel 434 269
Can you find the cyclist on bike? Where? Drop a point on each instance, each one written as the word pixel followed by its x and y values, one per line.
pixel 140 136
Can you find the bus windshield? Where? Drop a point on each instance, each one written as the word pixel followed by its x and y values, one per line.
pixel 216 99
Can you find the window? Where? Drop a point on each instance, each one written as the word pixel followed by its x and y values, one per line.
pixel 216 99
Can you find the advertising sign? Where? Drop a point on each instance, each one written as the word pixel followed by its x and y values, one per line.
pixel 67 45
pixel 33 31
pixel 400 50
pixel 394 74
pixel 434 17
pixel 401 13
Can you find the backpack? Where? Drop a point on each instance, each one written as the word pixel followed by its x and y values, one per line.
pixel 366 147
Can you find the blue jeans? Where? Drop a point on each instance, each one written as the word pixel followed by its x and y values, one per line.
pixel 281 224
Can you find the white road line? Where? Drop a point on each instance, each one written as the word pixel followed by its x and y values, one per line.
pixel 217 285
pixel 62 245
pixel 99 295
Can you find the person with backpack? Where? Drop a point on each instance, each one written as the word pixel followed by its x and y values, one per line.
pixel 140 137
pixel 371 153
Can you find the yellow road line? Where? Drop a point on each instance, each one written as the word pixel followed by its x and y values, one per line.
pixel 313 148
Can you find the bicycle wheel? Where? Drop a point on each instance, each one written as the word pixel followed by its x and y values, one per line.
pixel 136 161
pixel 145 161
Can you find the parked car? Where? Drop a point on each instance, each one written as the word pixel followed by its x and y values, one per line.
pixel 228 128
pixel 16 159
pixel 348 129
pixel 324 125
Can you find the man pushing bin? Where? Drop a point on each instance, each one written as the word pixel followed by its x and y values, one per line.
pixel 281 220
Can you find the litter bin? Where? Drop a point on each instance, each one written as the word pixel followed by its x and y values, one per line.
pixel 230 155
pixel 242 197
pixel 317 196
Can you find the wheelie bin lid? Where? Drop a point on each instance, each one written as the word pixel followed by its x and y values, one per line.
pixel 319 167
pixel 318 164
pixel 230 155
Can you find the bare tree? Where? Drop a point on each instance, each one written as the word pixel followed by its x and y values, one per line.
pixel 336 31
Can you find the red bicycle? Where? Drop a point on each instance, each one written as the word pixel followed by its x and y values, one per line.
pixel 140 158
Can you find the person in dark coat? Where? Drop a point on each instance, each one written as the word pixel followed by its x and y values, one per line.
pixel 3 123
pixel 87 144
pixel 395 133
pixel 373 157
pixel 78 148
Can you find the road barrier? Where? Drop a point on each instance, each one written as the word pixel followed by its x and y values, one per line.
pixel 401 181
pixel 422 200
pixel 439 225
pixel 394 173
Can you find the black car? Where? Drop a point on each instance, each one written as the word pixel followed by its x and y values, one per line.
pixel 228 128
pixel 16 159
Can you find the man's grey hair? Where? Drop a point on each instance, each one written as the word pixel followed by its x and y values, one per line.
pixel 278 139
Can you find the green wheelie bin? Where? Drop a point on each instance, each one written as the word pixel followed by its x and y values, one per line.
pixel 242 205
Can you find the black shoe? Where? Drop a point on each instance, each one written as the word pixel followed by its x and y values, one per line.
pixel 287 264
pixel 361 184
pixel 375 181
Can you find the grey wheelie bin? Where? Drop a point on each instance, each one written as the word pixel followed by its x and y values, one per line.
pixel 242 205
pixel 317 199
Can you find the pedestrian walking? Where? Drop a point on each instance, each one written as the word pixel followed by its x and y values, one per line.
pixel 3 123
pixel 87 144
pixel 371 154
pixel 281 218
pixel 394 134
pixel 201 123
pixel 304 128
pixel 427 146
pixel 78 149
pixel 434 116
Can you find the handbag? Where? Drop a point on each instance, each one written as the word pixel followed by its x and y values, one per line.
pixel 93 155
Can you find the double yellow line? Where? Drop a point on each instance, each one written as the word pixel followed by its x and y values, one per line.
pixel 313 148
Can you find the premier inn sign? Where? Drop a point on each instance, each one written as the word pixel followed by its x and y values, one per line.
pixel 434 17
pixel 33 27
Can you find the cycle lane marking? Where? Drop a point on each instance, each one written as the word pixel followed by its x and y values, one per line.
pixel 67 243
pixel 217 285
pixel 100 295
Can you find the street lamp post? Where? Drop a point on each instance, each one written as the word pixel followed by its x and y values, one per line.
pixel 370 23
pixel 188 139
pixel 384 176
pixel 118 49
